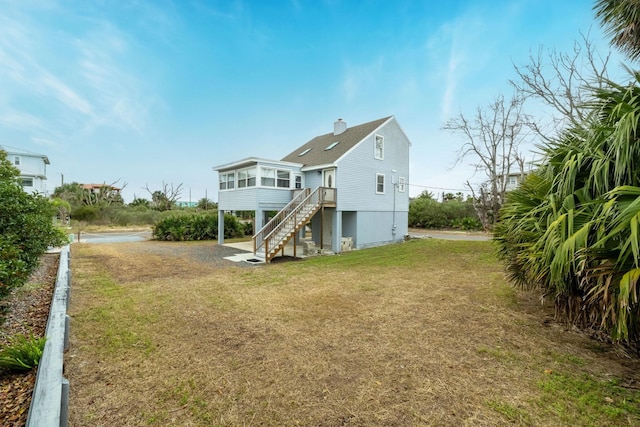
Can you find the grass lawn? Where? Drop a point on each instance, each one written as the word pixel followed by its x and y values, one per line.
pixel 421 333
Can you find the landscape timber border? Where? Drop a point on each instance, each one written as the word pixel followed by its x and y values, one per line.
pixel 50 399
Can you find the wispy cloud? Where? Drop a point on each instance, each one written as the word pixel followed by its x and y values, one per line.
pixel 461 49
pixel 55 83
pixel 21 121
pixel 361 78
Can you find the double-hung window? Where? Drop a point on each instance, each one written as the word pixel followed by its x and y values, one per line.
pixel 284 179
pixel 247 178
pixel 275 178
pixel 267 177
pixel 378 149
pixel 401 184
pixel 16 160
pixel 379 183
pixel 227 181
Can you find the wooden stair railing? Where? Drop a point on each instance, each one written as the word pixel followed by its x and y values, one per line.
pixel 258 238
pixel 294 217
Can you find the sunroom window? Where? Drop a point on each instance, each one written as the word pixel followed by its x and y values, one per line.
pixel 284 179
pixel 227 181
pixel 247 178
pixel 267 177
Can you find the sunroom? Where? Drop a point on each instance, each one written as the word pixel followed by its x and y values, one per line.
pixel 258 185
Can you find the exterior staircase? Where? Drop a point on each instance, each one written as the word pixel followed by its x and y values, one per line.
pixel 275 235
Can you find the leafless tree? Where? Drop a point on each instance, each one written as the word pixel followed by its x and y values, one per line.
pixel 165 198
pixel 561 81
pixel 492 138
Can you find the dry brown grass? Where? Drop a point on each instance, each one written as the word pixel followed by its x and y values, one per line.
pixel 423 333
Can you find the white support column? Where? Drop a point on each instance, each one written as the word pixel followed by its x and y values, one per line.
pixel 259 215
pixel 220 227
pixel 336 236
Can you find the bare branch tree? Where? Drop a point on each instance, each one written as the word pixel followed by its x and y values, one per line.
pixel 104 195
pixel 165 198
pixel 492 140
pixel 561 80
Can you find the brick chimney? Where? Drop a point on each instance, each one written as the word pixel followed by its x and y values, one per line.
pixel 339 127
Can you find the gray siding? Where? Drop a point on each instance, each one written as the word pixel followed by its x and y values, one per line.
pixel 251 199
pixel 356 173
pixel 375 228
pixel 350 226
pixel 312 179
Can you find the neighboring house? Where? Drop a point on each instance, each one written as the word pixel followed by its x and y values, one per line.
pixel 186 204
pixel 98 188
pixel 350 185
pixel 32 166
pixel 514 179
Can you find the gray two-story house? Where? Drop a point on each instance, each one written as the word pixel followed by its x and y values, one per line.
pixel 350 185
pixel 32 166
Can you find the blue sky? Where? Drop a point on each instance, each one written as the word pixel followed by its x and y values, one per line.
pixel 147 92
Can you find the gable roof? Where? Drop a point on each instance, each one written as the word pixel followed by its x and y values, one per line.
pixel 318 154
pixel 19 152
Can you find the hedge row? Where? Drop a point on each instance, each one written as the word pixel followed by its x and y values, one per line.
pixel 201 226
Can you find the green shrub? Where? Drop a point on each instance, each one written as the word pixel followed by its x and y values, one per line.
pixel 426 212
pixel 467 223
pixel 200 226
pixel 26 228
pixel 85 213
pixel 135 216
pixel 22 353
pixel 248 228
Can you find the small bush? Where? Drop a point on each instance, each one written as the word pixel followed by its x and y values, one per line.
pixel 467 223
pixel 22 354
pixel 248 228
pixel 201 226
pixel 85 213
pixel 426 212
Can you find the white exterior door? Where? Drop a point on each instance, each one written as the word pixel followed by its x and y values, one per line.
pixel 329 178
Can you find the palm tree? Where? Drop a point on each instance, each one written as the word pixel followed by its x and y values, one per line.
pixel 621 20
pixel 573 228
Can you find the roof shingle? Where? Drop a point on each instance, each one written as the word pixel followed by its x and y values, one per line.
pixel 318 154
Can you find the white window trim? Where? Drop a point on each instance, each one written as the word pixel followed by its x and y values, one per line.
pixel 375 151
pixel 275 177
pixel 401 184
pixel 288 187
pixel 17 160
pixel 263 175
pixel 383 183
pixel 226 181
pixel 255 176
